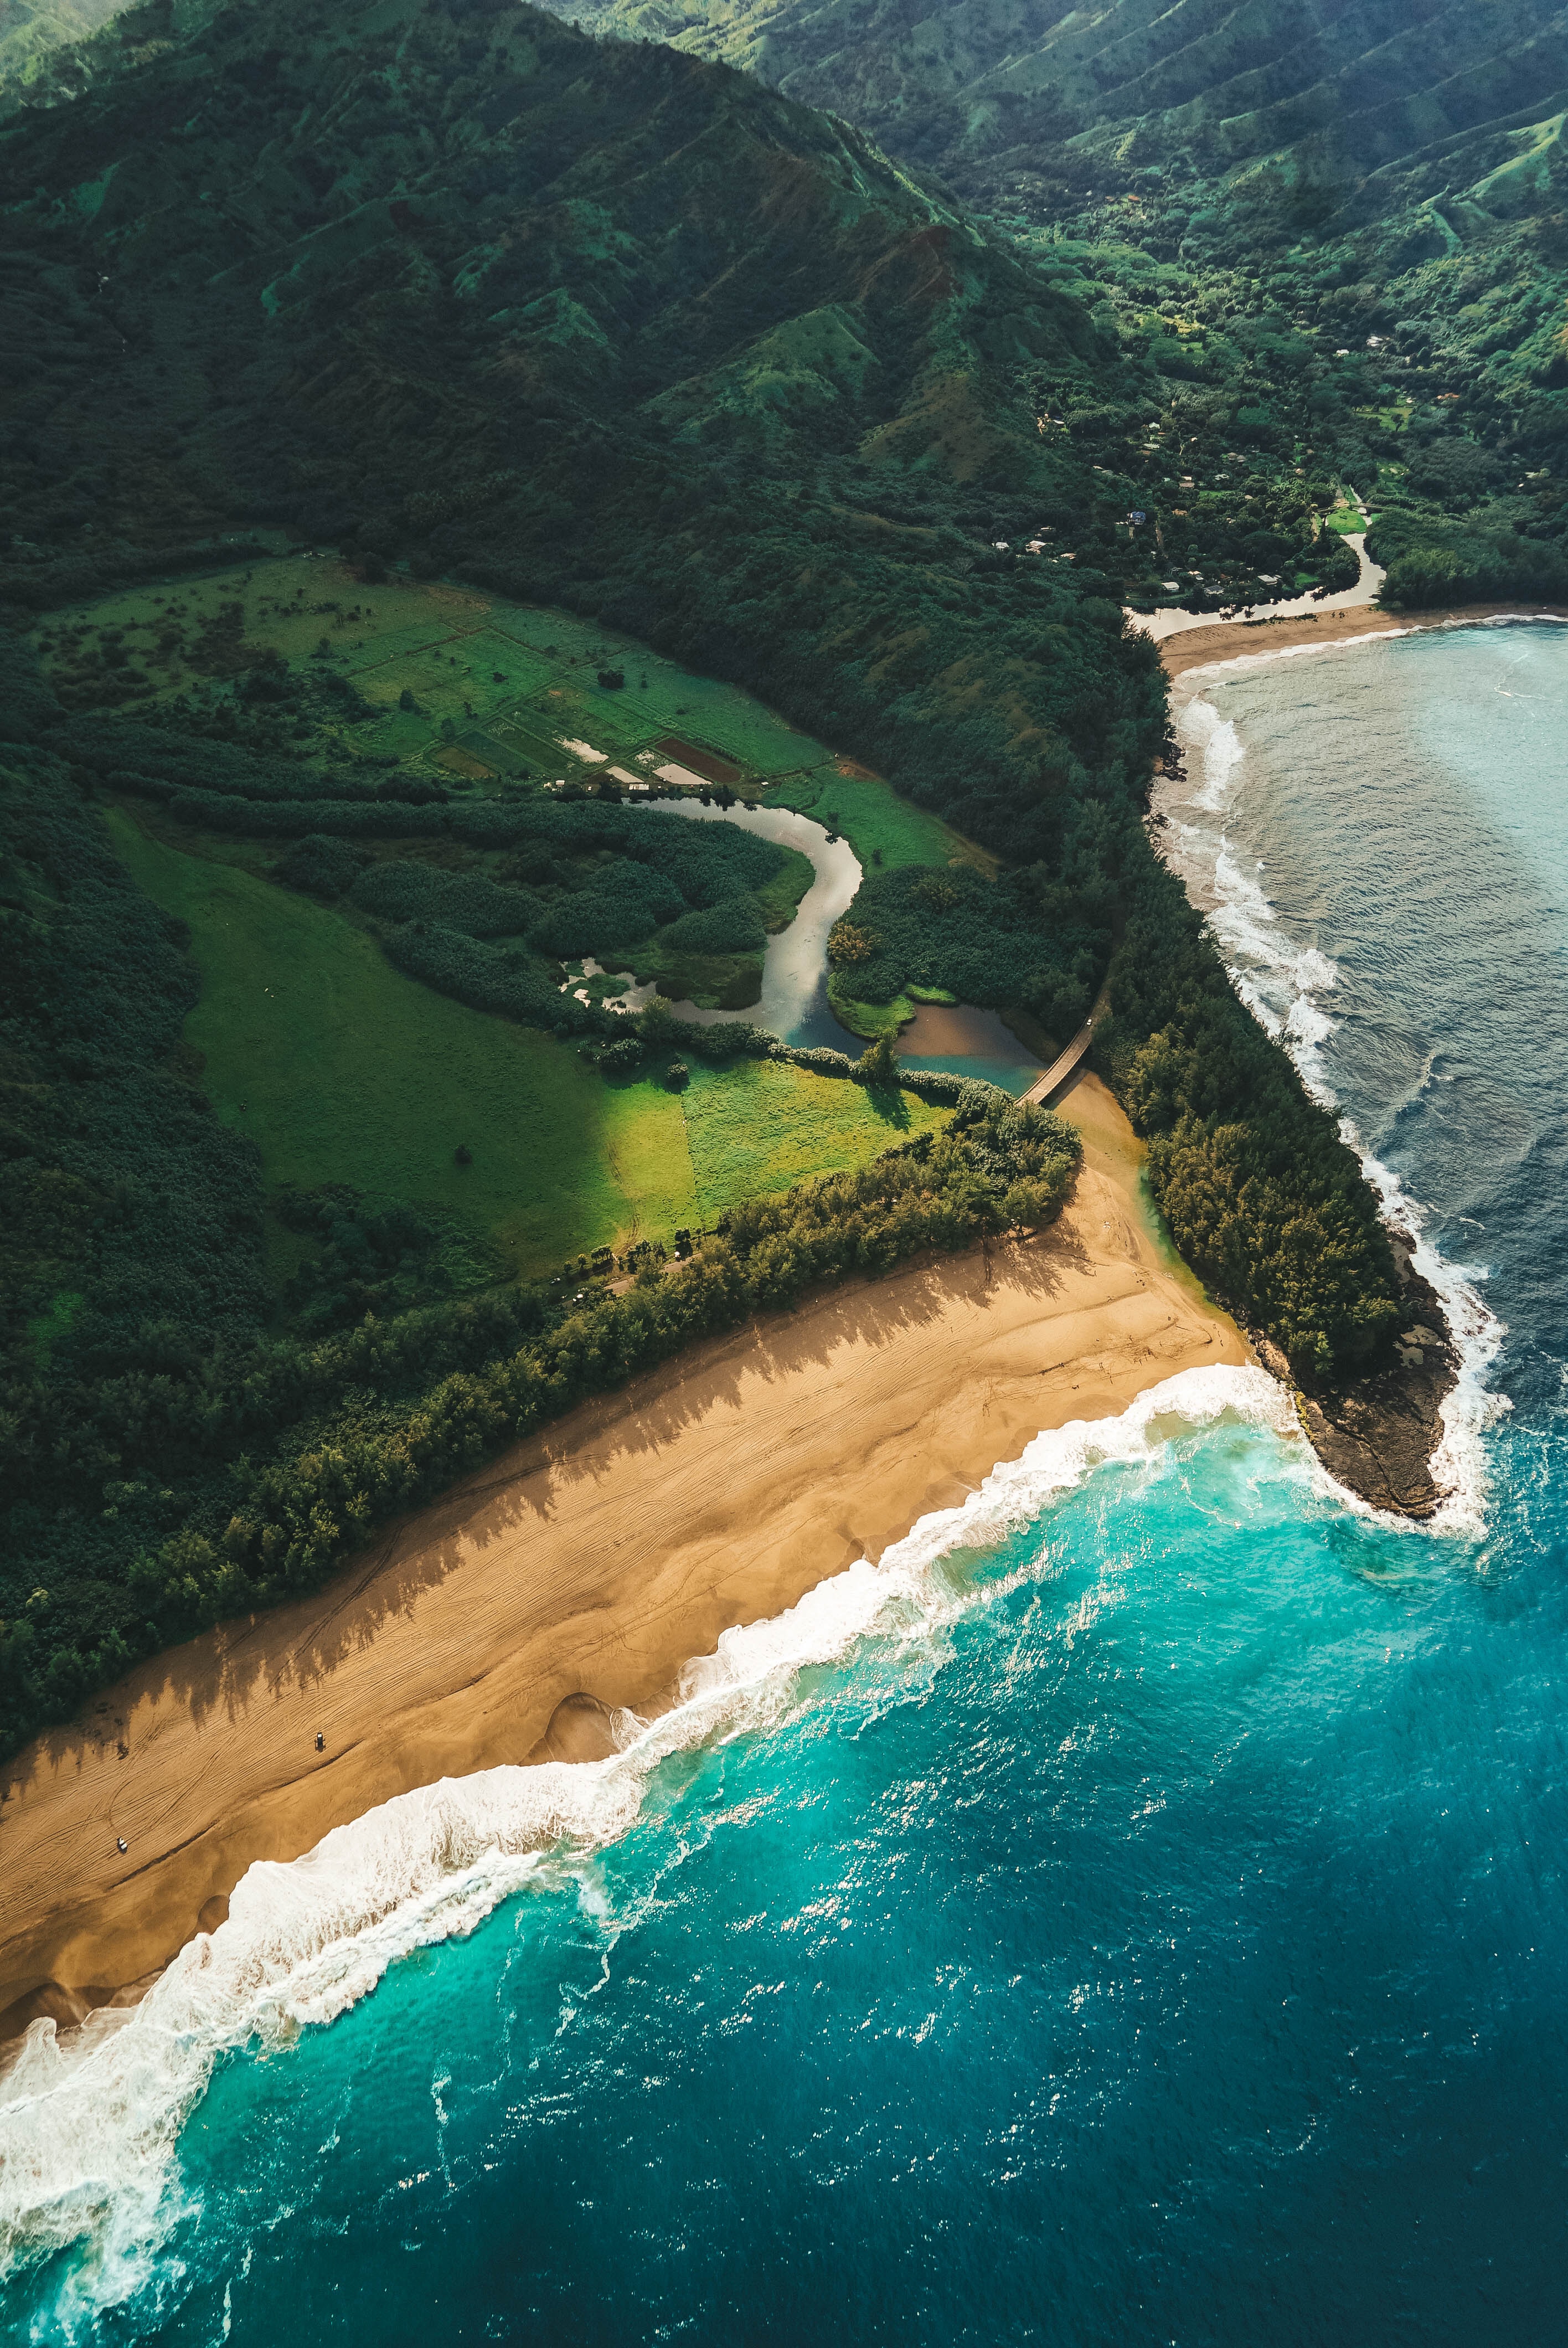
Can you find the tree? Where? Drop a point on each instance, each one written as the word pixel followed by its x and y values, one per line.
pixel 877 1066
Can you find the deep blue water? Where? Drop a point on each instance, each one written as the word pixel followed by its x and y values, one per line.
pixel 1153 1926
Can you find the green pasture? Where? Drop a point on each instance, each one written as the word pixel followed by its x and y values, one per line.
pixel 341 1069
pixel 573 706
pixel 659 696
pixel 531 672
pixel 762 1125
pixel 883 829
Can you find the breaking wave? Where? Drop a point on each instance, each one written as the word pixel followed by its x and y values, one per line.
pixel 1289 986
pixel 90 2119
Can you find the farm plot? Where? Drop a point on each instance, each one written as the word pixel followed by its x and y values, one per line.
pixel 462 657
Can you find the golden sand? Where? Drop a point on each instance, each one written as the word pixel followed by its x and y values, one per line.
pixel 590 1560
pixel 1230 639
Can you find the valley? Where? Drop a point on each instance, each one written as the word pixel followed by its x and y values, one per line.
pixel 781 1147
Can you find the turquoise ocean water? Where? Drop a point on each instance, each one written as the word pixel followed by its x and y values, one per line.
pixel 1134 1913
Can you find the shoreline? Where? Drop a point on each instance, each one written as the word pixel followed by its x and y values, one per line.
pixel 1228 640
pixel 591 1561
pixel 1378 1436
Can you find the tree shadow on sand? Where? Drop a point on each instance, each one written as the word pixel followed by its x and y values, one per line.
pixel 297 1647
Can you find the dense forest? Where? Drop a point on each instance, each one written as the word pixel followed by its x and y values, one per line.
pixel 467 295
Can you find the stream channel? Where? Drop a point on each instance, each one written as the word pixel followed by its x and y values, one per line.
pixel 965 1040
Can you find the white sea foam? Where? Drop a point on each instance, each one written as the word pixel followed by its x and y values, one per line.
pixel 90 2120
pixel 1459 1463
pixel 1282 983
pixel 1220 749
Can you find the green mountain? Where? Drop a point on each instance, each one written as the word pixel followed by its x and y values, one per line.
pixel 467 245
pixel 32 31
pixel 1369 201
pixel 1028 97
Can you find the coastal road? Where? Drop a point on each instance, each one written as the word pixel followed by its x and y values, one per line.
pixel 1165 625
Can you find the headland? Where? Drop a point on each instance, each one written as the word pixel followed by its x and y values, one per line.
pixel 1377 1435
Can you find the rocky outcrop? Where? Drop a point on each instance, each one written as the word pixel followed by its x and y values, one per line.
pixel 1377 1436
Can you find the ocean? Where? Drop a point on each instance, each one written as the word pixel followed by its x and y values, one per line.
pixel 1133 1912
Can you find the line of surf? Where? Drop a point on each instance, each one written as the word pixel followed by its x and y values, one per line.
pixel 1283 984
pixel 90 2119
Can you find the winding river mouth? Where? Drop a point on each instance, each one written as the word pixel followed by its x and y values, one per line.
pixel 960 1037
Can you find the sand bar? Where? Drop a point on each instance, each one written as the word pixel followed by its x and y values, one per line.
pixel 595 1558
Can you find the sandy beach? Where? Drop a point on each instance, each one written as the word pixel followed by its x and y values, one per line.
pixel 591 1560
pixel 1231 639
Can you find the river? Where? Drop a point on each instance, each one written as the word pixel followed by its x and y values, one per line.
pixel 961 1038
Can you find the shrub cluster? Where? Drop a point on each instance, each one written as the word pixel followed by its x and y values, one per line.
pixel 405 889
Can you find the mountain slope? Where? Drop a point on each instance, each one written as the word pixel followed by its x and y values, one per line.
pixel 1003 93
pixel 32 31
pixel 609 233
pixel 1390 177
pixel 450 241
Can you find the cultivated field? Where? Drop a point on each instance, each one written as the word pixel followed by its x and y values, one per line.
pixel 495 688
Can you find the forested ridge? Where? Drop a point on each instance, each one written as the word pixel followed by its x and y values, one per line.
pixel 1336 236
pixel 452 287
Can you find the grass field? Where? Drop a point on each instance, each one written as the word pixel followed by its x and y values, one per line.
pixel 762 1125
pixel 342 1070
pixel 883 829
